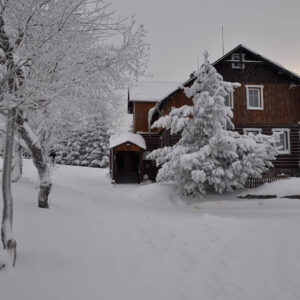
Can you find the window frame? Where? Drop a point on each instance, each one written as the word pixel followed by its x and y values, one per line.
pixel 231 100
pixel 288 140
pixel 260 89
pixel 237 60
pixel 250 130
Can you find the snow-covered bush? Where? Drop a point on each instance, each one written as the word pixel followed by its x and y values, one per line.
pixel 208 155
pixel 85 147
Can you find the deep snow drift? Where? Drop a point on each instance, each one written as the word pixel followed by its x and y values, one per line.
pixel 103 241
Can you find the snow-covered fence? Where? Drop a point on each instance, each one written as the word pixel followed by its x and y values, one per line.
pixel 256 182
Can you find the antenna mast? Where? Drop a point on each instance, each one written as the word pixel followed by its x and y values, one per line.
pixel 222 41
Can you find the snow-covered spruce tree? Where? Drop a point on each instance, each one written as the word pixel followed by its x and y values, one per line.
pixel 208 155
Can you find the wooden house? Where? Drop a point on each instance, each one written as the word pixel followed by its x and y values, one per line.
pixel 143 97
pixel 267 101
pixel 128 151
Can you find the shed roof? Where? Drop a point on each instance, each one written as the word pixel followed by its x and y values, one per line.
pixel 151 91
pixel 137 139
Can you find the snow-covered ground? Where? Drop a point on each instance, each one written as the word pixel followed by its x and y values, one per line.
pixel 140 242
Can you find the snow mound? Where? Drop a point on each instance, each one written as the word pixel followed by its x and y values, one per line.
pixel 129 242
pixel 280 188
pixel 161 195
pixel 137 139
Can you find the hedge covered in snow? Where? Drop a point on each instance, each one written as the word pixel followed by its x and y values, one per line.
pixel 86 147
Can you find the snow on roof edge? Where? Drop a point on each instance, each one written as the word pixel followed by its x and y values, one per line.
pixel 118 139
pixel 151 91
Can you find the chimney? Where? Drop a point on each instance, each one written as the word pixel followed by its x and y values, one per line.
pixel 192 75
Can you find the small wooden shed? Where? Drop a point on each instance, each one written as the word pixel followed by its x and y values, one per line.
pixel 126 158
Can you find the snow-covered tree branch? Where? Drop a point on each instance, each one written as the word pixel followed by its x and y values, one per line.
pixel 68 55
pixel 57 56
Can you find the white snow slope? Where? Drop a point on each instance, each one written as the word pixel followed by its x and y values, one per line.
pixel 136 242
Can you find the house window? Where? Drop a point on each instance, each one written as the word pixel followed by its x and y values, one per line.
pixel 255 99
pixel 283 142
pixel 229 100
pixel 238 59
pixel 254 131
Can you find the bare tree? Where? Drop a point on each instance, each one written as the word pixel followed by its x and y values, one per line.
pixel 51 52
pixel 67 52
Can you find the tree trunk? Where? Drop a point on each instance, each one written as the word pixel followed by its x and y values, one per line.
pixel 9 243
pixel 17 163
pixel 39 160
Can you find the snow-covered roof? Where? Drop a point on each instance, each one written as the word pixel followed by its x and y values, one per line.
pixel 151 91
pixel 137 139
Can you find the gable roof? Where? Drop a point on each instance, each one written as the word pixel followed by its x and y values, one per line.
pixel 137 139
pixel 295 78
pixel 292 76
pixel 151 91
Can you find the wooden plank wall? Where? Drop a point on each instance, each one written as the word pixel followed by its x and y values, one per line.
pixel 140 116
pixel 253 72
pixel 283 161
pixel 281 106
pixel 152 140
pixel 176 100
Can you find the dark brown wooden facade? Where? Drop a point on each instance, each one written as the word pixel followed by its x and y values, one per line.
pixel 140 116
pixel 281 104
pixel 284 163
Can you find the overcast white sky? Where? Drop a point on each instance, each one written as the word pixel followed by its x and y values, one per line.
pixel 179 31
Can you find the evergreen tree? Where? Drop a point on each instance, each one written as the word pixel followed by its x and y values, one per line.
pixel 208 155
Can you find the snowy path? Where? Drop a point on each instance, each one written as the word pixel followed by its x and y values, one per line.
pixel 134 242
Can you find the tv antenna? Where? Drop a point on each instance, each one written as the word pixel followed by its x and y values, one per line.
pixel 222 41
